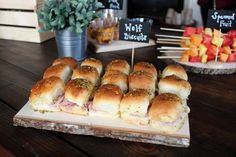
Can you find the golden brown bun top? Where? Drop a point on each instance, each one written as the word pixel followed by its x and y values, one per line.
pixel 135 97
pixel 76 86
pixel 174 80
pixel 175 69
pixel 108 92
pixel 140 75
pixel 66 60
pixel 114 74
pixel 120 65
pixel 45 85
pixel 54 70
pixel 165 106
pixel 147 67
pixel 93 63
pixel 85 70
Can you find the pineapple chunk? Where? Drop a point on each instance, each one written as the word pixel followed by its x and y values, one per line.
pixel 217 33
pixel 217 41
pixel 208 31
pixel 204 58
pixel 202 49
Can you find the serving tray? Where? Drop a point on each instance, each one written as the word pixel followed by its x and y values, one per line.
pixel 211 68
pixel 100 127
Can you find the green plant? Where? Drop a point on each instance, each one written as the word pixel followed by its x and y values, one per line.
pixel 72 15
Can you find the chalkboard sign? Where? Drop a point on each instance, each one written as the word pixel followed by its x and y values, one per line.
pixel 113 4
pixel 221 19
pixel 134 31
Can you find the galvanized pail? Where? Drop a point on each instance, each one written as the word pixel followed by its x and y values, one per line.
pixel 72 44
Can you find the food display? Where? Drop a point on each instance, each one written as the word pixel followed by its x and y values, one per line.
pixel 104 30
pixel 130 99
pixel 207 44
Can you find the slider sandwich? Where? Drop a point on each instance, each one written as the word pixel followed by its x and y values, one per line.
pixel 175 85
pixel 76 98
pixel 62 71
pixel 106 101
pixel 142 80
pixel 47 94
pixel 176 70
pixel 66 60
pixel 147 67
pixel 93 63
pixel 134 107
pixel 88 73
pixel 120 65
pixel 117 78
pixel 167 113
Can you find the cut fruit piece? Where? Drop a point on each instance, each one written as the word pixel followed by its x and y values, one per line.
pixel 217 33
pixel 227 41
pixel 184 58
pixel 195 59
pixel 188 31
pixel 224 57
pixel 234 43
pixel 218 41
pixel 202 49
pixel 206 39
pixel 196 39
pixel 208 31
pixel 227 50
pixel 232 57
pixel 232 34
pixel 204 58
pixel 210 57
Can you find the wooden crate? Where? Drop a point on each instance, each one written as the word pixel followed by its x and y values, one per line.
pixel 19 21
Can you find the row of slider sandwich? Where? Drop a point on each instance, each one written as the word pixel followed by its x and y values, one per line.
pixel 118 93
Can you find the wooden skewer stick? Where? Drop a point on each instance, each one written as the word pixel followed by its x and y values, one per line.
pixel 166 42
pixel 167 39
pixel 167 51
pixel 168 57
pixel 172 29
pixel 172 36
pixel 173 48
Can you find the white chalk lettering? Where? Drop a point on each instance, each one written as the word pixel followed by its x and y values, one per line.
pixel 134 28
pixel 139 37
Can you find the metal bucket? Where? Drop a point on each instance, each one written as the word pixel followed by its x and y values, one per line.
pixel 72 44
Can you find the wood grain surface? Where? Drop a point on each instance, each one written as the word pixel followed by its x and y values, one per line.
pixel 212 103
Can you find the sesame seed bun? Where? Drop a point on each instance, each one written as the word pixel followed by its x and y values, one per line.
pixel 45 92
pixel 86 72
pixel 142 80
pixel 175 85
pixel 176 70
pixel 62 71
pixel 134 107
pixel 147 67
pixel 66 60
pixel 120 65
pixel 117 78
pixel 93 63
pixel 106 101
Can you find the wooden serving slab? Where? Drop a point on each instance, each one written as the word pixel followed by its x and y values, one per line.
pixel 100 127
pixel 210 68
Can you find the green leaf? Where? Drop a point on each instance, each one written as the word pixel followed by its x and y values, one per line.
pixel 71 20
pixel 79 16
pixel 71 28
pixel 79 7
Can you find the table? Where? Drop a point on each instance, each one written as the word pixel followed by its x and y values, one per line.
pixel 212 117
